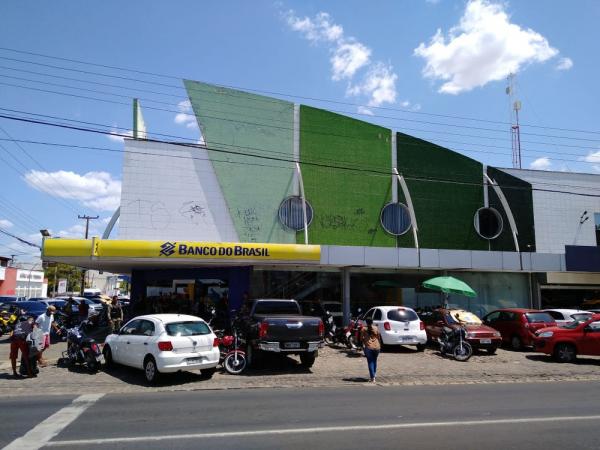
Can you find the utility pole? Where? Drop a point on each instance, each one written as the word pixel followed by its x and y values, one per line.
pixel 87 227
pixel 515 130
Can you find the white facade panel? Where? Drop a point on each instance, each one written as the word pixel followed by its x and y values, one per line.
pixel 556 214
pixel 174 195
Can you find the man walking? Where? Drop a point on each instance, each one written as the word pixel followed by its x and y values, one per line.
pixel 18 341
pixel 45 323
pixel 115 315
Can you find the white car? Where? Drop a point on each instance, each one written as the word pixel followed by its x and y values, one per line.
pixel 164 343
pixel 398 325
pixel 564 316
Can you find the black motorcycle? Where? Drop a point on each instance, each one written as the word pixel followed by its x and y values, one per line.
pixel 81 349
pixel 453 341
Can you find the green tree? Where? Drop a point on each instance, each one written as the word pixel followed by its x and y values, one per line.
pixel 63 271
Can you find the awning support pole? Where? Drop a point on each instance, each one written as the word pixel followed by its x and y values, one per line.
pixel 303 203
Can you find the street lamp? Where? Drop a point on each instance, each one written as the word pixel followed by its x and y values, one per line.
pixel 46 234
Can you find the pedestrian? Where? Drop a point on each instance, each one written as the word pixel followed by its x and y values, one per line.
pixel 115 315
pixel 18 341
pixel 84 310
pixel 45 323
pixel 370 338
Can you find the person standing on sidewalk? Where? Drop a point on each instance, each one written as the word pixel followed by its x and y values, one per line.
pixel 370 338
pixel 18 341
pixel 45 323
pixel 114 314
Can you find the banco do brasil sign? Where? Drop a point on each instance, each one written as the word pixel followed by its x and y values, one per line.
pixel 167 250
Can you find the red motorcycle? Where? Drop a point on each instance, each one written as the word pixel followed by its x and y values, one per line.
pixel 233 356
pixel 352 332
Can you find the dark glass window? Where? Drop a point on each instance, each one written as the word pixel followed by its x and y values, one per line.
pixel 188 328
pixel 275 307
pixel 539 317
pixel 402 315
pixel 395 218
pixel 377 315
pixel 488 223
pixel 291 214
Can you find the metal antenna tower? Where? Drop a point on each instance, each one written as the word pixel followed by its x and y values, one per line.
pixel 515 131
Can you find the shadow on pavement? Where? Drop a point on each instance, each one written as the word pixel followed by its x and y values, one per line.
pixel 548 359
pixel 356 379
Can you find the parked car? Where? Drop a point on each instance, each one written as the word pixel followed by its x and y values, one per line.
pixel 478 335
pixel 94 307
pixel 27 308
pixel 565 316
pixel 164 343
pixel 398 325
pixel 277 325
pixel 579 337
pixel 11 298
pixel 518 325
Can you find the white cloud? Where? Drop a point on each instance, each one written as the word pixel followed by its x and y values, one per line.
pixel 592 157
pixel 379 83
pixel 114 138
pixel 543 163
pixel 4 223
pixel 75 231
pixel 97 190
pixel 485 46
pixel 364 110
pixel 406 104
pixel 186 115
pixel 433 2
pixel 564 64
pixel 348 57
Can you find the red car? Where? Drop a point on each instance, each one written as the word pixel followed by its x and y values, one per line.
pixel 518 325
pixel 580 337
pixel 478 335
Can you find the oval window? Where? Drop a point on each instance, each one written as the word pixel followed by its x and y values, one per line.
pixel 291 215
pixel 488 223
pixel 395 218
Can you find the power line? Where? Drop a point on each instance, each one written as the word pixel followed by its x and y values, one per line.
pixel 178 78
pixel 23 241
pixel 376 172
pixel 84 97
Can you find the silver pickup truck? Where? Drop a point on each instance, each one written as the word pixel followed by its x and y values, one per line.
pixel 276 325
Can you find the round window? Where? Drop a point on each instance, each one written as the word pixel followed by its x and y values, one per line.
pixel 395 218
pixel 291 215
pixel 488 223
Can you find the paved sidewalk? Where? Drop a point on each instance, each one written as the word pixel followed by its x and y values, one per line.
pixel 334 367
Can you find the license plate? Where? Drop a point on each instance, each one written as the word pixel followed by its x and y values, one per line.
pixel 291 345
pixel 406 338
pixel 191 361
pixel 485 341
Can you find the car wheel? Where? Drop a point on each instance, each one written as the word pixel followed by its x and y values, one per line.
pixel 491 350
pixel 307 359
pixel 150 370
pixel 108 360
pixel 565 353
pixel 420 347
pixel 515 343
pixel 206 374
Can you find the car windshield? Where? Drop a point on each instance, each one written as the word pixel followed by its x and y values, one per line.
pixel 465 317
pixel 581 316
pixel 402 315
pixel 189 328
pixel 539 317
pixel 275 307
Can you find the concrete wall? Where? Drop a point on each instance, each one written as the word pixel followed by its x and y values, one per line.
pixel 556 214
pixel 172 197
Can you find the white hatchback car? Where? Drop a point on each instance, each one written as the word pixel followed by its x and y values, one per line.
pixel 565 316
pixel 398 325
pixel 164 343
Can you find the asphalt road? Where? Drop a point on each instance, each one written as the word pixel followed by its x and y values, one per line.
pixel 494 416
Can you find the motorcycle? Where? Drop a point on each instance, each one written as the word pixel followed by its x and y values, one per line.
pixel 232 353
pixel 331 330
pixel 453 341
pixel 8 319
pixel 352 333
pixel 81 349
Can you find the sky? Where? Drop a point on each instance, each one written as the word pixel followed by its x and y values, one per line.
pixel 436 69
